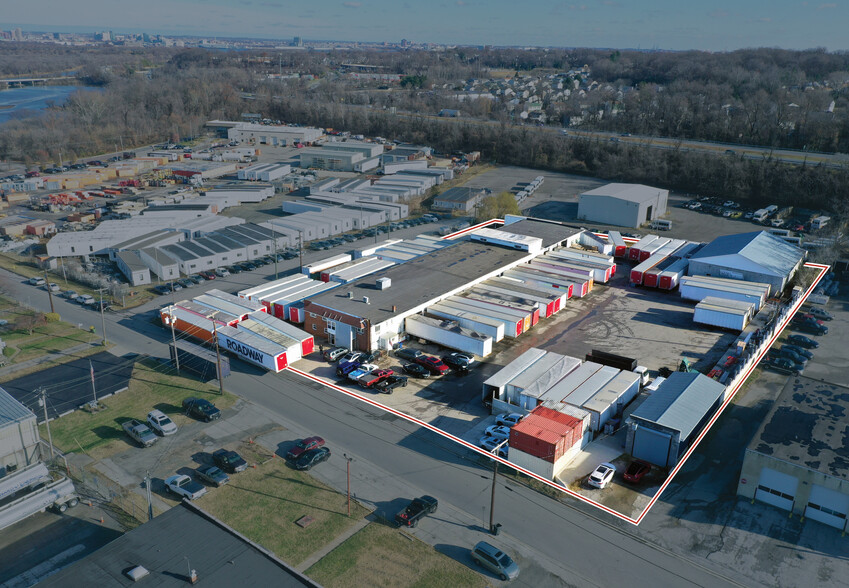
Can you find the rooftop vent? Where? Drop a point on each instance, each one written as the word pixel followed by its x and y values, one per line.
pixel 383 283
pixel 137 573
pixel 350 294
pixel 365 299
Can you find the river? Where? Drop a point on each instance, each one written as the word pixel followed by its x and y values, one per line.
pixel 28 100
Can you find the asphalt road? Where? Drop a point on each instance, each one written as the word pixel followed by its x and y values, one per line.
pixel 396 457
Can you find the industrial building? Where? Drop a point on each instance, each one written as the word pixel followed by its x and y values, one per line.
pixel 369 313
pixel 662 428
pixel 265 172
pixel 755 257
pixel 460 199
pixel 266 134
pixel 623 205
pixel 797 460
pixel 19 440
pixel 332 159
pixel 182 539
pixel 132 266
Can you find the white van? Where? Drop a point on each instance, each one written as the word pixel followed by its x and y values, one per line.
pixel 661 225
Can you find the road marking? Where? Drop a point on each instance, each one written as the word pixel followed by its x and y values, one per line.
pixel 634 521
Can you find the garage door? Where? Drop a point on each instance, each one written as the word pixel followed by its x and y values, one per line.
pixel 652 446
pixel 777 489
pixel 827 506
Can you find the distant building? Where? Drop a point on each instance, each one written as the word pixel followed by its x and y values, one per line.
pixel 623 205
pixel 797 461
pixel 460 199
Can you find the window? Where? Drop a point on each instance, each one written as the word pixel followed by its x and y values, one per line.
pixel 314 327
pixel 826 510
pixel 313 315
pixel 90 248
pixel 776 492
pixel 73 249
pixel 193 266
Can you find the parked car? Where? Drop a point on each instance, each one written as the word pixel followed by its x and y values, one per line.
pixel 374 377
pixel 208 275
pixel 408 353
pixel 636 470
pixel 334 353
pixel 416 370
pixel 362 370
pixel 222 272
pixel 820 314
pixel 70 295
pixel 498 431
pixel 37 281
pixel 229 461
pixel 234 269
pixel 458 359
pixel 389 384
pixel 433 364
pixel 308 459
pixel 346 367
pixel 212 475
pixel 508 420
pixel 812 328
pixel 418 509
pixel 196 279
pixel 162 289
pixel 602 475
pixel 792 356
pixel 802 341
pixel 800 351
pixel 496 561
pixel 304 445
pixel 201 408
pixel 186 282
pixel 783 365
pixel 139 432
pixel 351 356
pixel 85 299
pixel 184 486
pixel 160 423
pixel 489 443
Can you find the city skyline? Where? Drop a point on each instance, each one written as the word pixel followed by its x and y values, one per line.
pixel 659 24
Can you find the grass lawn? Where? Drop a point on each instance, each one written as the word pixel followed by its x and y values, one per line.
pixel 100 434
pixel 264 503
pixel 45 339
pixel 381 556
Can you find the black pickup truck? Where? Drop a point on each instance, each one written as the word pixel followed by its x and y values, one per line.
pixel 418 509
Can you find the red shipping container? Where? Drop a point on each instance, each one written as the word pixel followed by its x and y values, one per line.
pixel 546 434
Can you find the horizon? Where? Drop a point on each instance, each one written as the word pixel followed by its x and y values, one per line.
pixel 600 24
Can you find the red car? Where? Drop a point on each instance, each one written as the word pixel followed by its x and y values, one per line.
pixel 305 445
pixel 207 275
pixel 370 379
pixel 433 364
pixel 636 470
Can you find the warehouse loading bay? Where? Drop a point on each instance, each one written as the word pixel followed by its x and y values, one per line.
pixel 652 326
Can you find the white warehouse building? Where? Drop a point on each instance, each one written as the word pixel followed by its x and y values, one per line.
pixel 623 205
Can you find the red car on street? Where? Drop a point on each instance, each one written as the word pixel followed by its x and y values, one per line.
pixel 305 445
pixel 433 364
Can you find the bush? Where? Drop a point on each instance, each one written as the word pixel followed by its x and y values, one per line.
pixel 52 317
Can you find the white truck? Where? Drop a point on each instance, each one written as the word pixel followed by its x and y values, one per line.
pixel 33 490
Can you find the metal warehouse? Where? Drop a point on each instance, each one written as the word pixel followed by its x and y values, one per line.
pixel 265 172
pixel 460 198
pixel 266 341
pixel 267 134
pixel 661 429
pixel 756 257
pixel 797 459
pixel 19 440
pixel 623 205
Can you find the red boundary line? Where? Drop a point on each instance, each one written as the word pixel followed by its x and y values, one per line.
pixel 477 226
pixel 823 270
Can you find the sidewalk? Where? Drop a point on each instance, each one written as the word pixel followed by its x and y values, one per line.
pixel 15 367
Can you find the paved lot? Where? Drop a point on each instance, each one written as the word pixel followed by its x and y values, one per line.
pixel 111 374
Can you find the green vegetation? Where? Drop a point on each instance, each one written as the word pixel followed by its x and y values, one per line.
pixel 497 206
pixel 99 434
pixel 263 503
pixel 382 556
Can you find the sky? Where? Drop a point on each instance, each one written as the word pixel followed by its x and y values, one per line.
pixel 719 25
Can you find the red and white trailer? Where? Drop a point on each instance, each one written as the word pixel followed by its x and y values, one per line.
pixel 651 278
pixel 565 292
pixel 560 297
pixel 504 301
pixel 549 303
pixel 578 288
pixel 635 249
pixel 266 342
pixel 564 270
pixel 513 327
pixel 522 316
pixel 671 276
pixel 602 270
pixel 620 248
pixel 652 248
pixel 190 323
pixel 491 327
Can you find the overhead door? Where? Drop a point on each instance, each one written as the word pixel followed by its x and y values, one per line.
pixel 777 489
pixel 827 506
pixel 652 446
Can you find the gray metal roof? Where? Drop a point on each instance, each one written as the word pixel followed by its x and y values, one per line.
pixel 771 254
pixel 630 192
pixel 132 260
pixel 459 194
pixel 550 232
pixel 12 411
pixel 178 252
pixel 164 545
pixel 681 402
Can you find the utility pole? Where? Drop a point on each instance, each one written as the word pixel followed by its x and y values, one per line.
pixel 348 467
pixel 102 319
pixel 174 337
pixel 149 502
pixel 93 389
pixel 47 422
pixel 49 293
pixel 493 528
pixel 217 354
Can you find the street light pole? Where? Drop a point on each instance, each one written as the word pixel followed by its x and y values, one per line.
pixel 348 468
pixel 46 421
pixel 174 337
pixel 492 526
pixel 217 354
pixel 49 293
pixel 102 320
